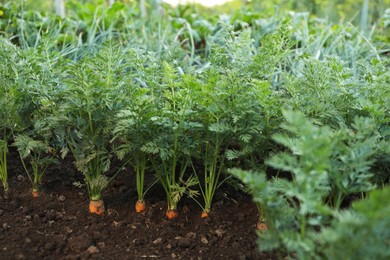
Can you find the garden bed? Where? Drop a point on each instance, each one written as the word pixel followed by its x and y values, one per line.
pixel 58 225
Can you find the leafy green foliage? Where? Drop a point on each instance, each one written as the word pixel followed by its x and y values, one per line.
pixel 359 233
pixel 7 116
pixel 324 164
pixel 93 98
pixel 134 130
pixel 39 155
pixel 174 144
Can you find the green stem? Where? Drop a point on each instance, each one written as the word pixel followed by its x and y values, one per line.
pixel 338 199
pixel 26 170
pixel 303 227
pixel 36 176
pixel 3 163
pixel 140 165
pixel 212 173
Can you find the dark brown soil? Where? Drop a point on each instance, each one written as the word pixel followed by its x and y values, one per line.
pixel 57 225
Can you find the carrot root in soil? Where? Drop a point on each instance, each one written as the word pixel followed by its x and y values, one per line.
pixel 261 226
pixel 96 206
pixel 204 214
pixel 35 194
pixel 171 214
pixel 140 206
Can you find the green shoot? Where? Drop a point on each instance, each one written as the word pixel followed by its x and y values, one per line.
pixel 39 156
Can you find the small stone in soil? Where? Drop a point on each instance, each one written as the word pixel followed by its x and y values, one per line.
pixel 70 218
pixel 204 240
pixel 93 250
pixel 219 232
pixel 68 230
pixel 101 245
pixel 157 241
pixel 138 242
pixel 36 217
pixel 61 198
pixel 191 235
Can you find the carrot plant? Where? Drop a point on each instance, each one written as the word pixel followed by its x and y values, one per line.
pixel 34 89
pixel 39 155
pixel 354 155
pixel 326 165
pixel 227 110
pixel 3 139
pixel 15 72
pixel 294 209
pixel 8 113
pixel 92 95
pixel 230 120
pixel 134 129
pixel 174 143
pixel 358 233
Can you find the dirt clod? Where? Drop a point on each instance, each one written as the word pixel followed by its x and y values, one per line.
pixel 79 243
pixel 184 243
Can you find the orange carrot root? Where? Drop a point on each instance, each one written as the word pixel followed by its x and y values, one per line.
pixel 96 206
pixel 261 226
pixel 171 214
pixel 204 214
pixel 35 194
pixel 140 206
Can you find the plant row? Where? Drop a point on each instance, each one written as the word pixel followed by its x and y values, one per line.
pixel 307 118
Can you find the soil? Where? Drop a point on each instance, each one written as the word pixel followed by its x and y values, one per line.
pixel 57 224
